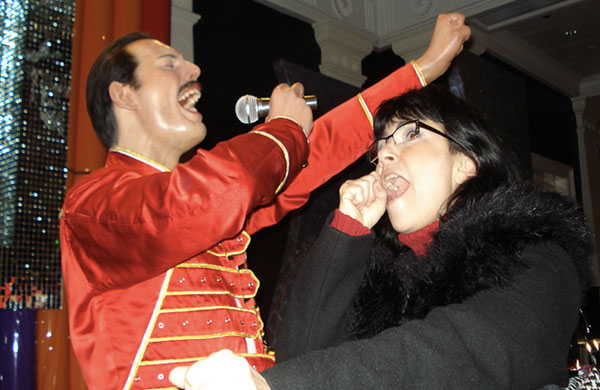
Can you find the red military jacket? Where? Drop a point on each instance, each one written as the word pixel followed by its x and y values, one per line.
pixel 154 261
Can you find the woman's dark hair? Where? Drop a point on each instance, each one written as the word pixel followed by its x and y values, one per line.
pixel 495 164
pixel 114 63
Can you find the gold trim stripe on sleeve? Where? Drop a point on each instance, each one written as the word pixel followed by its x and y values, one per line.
pixel 285 156
pixel 365 108
pixel 420 74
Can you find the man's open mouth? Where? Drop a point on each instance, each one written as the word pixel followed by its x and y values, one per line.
pixel 189 94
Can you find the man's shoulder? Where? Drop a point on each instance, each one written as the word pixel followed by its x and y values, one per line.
pixel 101 180
pixel 102 174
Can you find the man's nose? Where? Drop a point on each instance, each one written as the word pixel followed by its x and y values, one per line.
pixel 192 71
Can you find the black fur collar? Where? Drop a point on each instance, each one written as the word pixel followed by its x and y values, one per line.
pixel 476 247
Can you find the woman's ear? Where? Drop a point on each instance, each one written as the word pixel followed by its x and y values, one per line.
pixel 464 169
pixel 121 95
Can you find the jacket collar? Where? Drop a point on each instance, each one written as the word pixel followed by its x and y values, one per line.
pixel 122 156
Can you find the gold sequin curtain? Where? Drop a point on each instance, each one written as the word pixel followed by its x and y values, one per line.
pixel 97 23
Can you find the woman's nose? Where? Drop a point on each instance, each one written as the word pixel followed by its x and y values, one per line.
pixel 387 153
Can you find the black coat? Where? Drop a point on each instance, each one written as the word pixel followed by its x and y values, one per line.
pixel 492 305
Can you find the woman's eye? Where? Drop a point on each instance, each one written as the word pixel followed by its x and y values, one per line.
pixel 411 135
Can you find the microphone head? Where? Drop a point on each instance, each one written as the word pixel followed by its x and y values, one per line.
pixel 246 109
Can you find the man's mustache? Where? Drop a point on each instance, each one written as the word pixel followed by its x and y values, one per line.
pixel 189 84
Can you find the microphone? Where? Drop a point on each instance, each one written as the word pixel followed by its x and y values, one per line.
pixel 249 108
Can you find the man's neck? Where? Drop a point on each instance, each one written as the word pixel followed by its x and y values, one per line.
pixel 137 140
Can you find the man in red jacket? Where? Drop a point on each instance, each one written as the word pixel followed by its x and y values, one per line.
pixel 154 251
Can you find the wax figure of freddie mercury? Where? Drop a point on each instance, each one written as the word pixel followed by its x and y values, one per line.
pixel 154 251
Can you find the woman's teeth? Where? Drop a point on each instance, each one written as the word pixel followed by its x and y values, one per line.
pixel 388 182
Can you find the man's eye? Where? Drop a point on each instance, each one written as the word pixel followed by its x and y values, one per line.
pixel 169 64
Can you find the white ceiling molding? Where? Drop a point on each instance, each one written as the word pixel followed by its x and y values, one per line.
pixel 412 44
pixel 530 60
pixel 578 103
pixel 346 26
pixel 387 19
pixel 407 20
pixel 342 51
pixel 308 10
pixel 590 85
pixel 523 16
pixel 183 20
pixel 499 26
pixel 586 144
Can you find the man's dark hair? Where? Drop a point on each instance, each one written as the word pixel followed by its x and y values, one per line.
pixel 114 63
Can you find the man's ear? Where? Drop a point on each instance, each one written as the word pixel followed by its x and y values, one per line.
pixel 465 168
pixel 121 95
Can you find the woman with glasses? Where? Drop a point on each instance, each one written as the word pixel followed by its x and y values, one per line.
pixel 472 281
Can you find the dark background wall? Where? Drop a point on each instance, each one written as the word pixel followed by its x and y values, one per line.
pixel 237 43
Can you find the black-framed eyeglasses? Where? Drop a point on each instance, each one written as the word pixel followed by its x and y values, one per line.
pixel 405 132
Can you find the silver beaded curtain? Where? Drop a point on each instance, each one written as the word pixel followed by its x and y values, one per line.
pixel 35 78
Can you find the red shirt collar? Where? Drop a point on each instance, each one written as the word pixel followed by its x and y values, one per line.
pixel 420 240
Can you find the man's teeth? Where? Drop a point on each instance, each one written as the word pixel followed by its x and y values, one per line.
pixel 192 108
pixel 194 94
pixel 190 98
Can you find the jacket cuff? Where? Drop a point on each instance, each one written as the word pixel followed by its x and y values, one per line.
pixel 348 225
